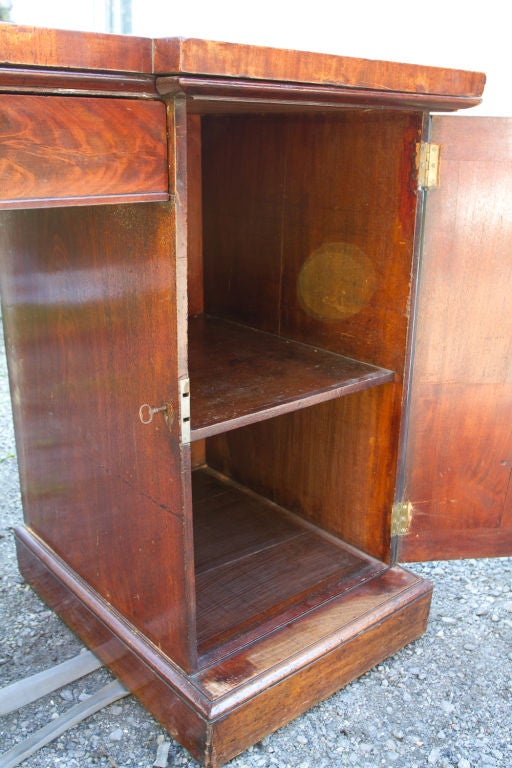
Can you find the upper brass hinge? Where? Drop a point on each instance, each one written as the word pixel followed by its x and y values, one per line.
pixel 185 410
pixel 427 162
pixel 401 516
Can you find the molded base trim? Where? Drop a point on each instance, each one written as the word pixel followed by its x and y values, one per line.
pixel 219 711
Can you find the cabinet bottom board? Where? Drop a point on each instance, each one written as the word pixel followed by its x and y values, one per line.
pixel 258 566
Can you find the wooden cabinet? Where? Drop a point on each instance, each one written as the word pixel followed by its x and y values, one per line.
pixel 209 262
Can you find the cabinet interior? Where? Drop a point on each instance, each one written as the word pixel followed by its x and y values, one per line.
pixel 300 242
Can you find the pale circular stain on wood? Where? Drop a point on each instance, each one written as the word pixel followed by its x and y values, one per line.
pixel 336 281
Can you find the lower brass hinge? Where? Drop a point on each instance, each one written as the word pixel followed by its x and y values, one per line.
pixel 427 162
pixel 401 516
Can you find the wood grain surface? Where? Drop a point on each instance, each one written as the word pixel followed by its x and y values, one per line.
pixel 258 567
pixel 240 375
pixel 64 149
pixel 233 606
pixel 51 48
pixel 190 55
pixel 459 458
pixel 223 709
pixel 237 96
pixel 90 326
pixel 70 50
pixel 317 246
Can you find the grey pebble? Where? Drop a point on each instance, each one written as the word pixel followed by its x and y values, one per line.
pixel 84 696
pixel 67 694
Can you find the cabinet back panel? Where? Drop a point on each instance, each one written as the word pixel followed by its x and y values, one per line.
pixel 309 233
pixel 309 227
pixel 332 463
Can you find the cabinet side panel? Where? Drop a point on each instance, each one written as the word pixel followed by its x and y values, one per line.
pixel 90 318
pixel 243 188
pixel 459 455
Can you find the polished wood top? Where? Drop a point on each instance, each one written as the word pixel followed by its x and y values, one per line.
pixel 193 56
pixel 63 49
pixel 46 48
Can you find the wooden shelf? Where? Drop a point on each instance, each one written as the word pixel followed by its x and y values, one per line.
pixel 239 375
pixel 259 567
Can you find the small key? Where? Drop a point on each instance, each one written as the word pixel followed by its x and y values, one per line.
pixel 146 412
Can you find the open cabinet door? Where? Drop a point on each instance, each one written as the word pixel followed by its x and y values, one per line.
pixel 458 461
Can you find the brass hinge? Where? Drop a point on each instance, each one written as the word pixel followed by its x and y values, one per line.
pixel 185 410
pixel 427 162
pixel 401 518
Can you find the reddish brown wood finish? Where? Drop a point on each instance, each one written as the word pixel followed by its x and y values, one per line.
pixel 317 245
pixel 317 463
pixel 50 48
pixel 226 707
pixel 287 698
pixel 195 285
pixel 93 320
pixel 61 49
pixel 178 143
pixel 195 281
pixel 67 149
pixel 234 96
pixel 459 458
pixel 258 568
pixel 206 57
pixel 344 207
pixel 62 82
pixel 306 220
pixel 240 375
pixel 142 667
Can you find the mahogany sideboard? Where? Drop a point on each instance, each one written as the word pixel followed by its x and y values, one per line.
pixel 237 407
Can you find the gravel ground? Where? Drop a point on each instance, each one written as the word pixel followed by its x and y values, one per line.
pixel 445 700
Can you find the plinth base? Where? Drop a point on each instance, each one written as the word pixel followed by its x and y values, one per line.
pixel 224 708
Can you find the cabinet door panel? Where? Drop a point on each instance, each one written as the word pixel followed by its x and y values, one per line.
pixel 459 450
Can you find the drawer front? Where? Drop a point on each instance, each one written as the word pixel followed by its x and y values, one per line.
pixel 62 150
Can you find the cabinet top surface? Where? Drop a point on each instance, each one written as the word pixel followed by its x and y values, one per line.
pixel 71 50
